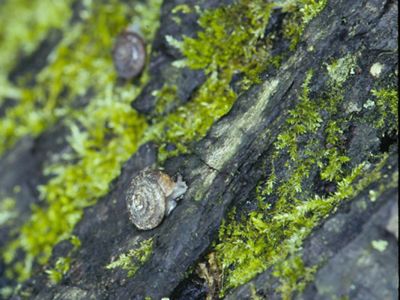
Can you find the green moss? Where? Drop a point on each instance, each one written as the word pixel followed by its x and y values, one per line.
pixel 7 210
pixel 134 258
pixel 386 100
pixel 271 236
pixel 209 51
pixel 24 24
pixel 165 98
pixel 62 264
pixel 60 269
pixel 302 12
pixel 293 276
pixel 221 51
pixel 104 134
pixel 79 60
pixel 184 8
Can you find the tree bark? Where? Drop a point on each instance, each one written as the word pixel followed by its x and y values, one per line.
pixel 223 171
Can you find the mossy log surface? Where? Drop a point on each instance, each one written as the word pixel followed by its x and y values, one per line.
pixel 224 168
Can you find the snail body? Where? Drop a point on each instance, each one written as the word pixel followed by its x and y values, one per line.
pixel 151 196
pixel 129 54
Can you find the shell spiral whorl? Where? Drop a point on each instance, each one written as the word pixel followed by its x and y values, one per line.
pixel 146 200
pixel 129 54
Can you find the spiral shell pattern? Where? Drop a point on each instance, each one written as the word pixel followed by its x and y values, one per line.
pixel 146 200
pixel 129 55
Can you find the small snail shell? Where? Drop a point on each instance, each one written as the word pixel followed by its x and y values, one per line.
pixel 129 54
pixel 152 195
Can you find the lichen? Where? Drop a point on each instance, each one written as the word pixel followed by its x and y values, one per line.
pixel 379 245
pixel 134 258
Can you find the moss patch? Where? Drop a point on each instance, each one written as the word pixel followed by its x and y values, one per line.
pixel 7 210
pixel 222 51
pixel 106 132
pixel 387 100
pixel 62 264
pixel 24 24
pixel 271 236
pixel 302 12
pixel 134 258
pixel 103 135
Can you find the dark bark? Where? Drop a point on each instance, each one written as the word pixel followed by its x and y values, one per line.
pixel 223 172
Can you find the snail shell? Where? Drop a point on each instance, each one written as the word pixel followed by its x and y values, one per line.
pixel 151 196
pixel 129 54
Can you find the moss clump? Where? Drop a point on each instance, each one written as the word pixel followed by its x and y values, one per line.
pixel 7 210
pixel 134 258
pixel 223 51
pixel 302 12
pixel 62 264
pixel 293 276
pixel 61 268
pixel 245 53
pixel 387 100
pixel 210 52
pixel 103 135
pixel 24 24
pixel 272 235
pixel 79 60
pixel 107 132
pixel 165 97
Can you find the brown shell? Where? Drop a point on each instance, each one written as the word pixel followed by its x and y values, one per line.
pixel 129 54
pixel 146 200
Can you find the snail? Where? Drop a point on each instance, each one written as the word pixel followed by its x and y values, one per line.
pixel 151 196
pixel 129 54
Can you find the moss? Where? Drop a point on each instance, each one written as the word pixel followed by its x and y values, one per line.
pixel 209 52
pixel 293 276
pixel 386 100
pixel 271 236
pixel 221 51
pixel 78 61
pixel 60 269
pixel 62 264
pixel 134 258
pixel 24 24
pixel 181 8
pixel 302 12
pixel 7 210
pixel 184 8
pixel 104 134
pixel 165 98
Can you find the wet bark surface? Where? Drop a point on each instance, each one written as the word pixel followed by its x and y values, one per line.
pixel 223 171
